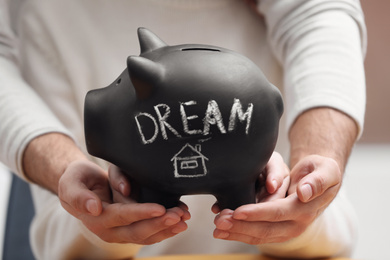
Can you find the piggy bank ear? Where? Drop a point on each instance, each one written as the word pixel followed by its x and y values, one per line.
pixel 148 41
pixel 144 74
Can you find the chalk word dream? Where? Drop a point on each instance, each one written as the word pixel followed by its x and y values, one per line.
pixel 213 116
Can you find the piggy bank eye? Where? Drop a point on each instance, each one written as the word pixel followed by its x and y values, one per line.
pixel 118 81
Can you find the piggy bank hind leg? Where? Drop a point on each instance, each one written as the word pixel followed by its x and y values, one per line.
pixel 235 197
pixel 168 200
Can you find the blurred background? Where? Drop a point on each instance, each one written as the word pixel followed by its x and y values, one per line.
pixel 368 172
pixel 377 122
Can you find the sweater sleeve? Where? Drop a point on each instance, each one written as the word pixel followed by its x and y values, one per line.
pixel 321 45
pixel 23 115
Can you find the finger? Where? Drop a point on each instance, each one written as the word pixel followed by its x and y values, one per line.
pixel 287 209
pixel 299 171
pixel 215 208
pixel 324 174
pixel 80 187
pixel 120 186
pixel 276 171
pixel 146 231
pixel 121 214
pixel 186 214
pixel 118 197
pixel 274 211
pixel 253 233
pixel 164 225
pixel 118 181
pixel 257 229
pixel 220 234
pixel 280 193
pixel 166 233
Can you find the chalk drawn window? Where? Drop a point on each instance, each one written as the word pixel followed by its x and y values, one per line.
pixel 193 164
pixel 189 162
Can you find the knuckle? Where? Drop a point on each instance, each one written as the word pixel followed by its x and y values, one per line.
pixel 106 225
pixel 122 220
pixel 338 173
pixel 279 215
pixel 134 237
pixel 255 241
pixel 268 232
pixel 138 237
pixel 76 202
pixel 320 184
pixel 335 168
pixel 286 170
pixel 308 217
pixel 111 177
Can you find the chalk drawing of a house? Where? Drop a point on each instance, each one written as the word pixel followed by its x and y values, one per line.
pixel 189 162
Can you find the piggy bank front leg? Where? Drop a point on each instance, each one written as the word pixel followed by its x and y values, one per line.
pixel 234 197
pixel 147 195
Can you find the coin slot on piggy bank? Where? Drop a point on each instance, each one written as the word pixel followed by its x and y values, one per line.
pixel 199 49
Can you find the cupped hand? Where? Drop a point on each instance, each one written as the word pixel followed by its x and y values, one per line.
pixel 85 192
pixel 315 181
pixel 273 181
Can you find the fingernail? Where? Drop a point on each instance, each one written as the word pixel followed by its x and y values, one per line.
pixel 176 230
pixel 92 206
pixel 274 185
pixel 179 229
pixel 186 216
pixel 306 191
pixel 227 212
pixel 171 221
pixel 240 216
pixel 122 188
pixel 225 225
pixel 157 213
pixel 221 234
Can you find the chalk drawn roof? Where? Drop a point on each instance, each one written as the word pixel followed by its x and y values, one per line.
pixel 188 151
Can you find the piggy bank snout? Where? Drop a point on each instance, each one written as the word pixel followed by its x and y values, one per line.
pixel 96 114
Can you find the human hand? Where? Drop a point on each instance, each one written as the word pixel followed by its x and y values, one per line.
pixel 273 181
pixel 167 225
pixel 315 181
pixel 85 192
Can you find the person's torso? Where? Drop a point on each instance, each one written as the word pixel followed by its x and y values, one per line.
pixel 68 47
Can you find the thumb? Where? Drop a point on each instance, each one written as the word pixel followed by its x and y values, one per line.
pixel 314 175
pixel 82 188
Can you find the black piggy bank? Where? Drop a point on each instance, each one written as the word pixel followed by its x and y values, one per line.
pixel 186 119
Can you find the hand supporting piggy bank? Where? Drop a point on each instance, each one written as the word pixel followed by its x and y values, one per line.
pixel 186 119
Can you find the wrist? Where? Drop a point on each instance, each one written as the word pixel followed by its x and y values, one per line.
pixel 47 156
pixel 323 131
